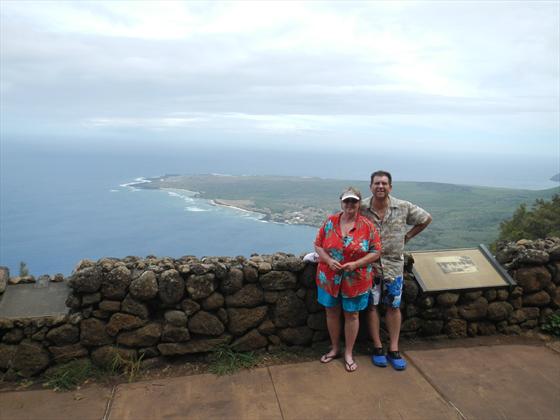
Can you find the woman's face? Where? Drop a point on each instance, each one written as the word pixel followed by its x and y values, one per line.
pixel 350 206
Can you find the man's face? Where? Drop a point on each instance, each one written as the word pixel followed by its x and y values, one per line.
pixel 380 187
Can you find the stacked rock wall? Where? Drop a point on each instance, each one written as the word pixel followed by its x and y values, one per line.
pixel 535 267
pixel 151 307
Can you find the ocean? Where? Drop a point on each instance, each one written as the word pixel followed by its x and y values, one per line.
pixel 59 205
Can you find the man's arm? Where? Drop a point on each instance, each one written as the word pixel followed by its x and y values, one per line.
pixel 417 229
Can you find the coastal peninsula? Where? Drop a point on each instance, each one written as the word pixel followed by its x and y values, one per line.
pixel 309 200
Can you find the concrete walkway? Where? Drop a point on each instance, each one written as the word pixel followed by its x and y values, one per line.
pixel 486 382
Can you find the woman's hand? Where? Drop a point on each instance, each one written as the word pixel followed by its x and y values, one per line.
pixel 334 265
pixel 350 266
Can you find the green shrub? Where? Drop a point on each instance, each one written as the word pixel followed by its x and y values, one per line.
pixel 23 270
pixel 552 324
pixel 541 221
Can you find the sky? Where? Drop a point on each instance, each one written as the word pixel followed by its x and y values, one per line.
pixel 474 77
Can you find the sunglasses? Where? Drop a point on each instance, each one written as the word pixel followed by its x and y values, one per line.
pixel 350 200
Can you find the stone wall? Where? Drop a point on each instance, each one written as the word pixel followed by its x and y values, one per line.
pixel 164 307
pixel 535 267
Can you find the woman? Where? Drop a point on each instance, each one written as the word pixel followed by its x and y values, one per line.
pixel 347 245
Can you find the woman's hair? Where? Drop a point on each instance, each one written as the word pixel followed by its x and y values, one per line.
pixel 351 190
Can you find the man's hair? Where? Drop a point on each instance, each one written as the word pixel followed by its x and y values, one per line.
pixel 381 173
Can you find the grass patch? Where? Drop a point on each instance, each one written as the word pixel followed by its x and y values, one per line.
pixel 24 384
pixel 225 361
pixel 129 368
pixel 73 374
pixel 70 375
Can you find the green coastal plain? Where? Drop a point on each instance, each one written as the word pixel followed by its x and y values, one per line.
pixel 463 216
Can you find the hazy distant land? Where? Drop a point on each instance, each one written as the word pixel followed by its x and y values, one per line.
pixel 556 178
pixel 464 216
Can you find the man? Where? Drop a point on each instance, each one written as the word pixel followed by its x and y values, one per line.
pixel 391 217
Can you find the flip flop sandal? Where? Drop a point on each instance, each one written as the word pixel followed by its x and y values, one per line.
pixel 350 367
pixel 325 358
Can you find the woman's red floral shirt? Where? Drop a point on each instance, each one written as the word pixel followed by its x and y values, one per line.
pixel 362 239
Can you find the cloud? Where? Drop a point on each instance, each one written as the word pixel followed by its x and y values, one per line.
pixel 283 67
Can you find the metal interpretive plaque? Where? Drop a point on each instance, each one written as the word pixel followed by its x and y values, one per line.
pixel 454 269
pixel 34 300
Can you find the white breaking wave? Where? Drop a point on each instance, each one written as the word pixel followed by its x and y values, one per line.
pixel 137 181
pixel 247 214
pixel 194 204
pixel 174 194
pixel 185 197
pixel 195 209
pixel 188 198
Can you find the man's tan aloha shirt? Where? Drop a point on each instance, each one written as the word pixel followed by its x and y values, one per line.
pixel 392 230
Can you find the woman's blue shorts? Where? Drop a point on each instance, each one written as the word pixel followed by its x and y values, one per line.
pixel 354 304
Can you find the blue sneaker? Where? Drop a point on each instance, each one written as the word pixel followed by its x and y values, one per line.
pixel 395 359
pixel 378 357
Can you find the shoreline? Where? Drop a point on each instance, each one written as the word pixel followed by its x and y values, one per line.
pixel 193 194
pixel 262 215
pixel 265 217
pixel 223 203
pixel 292 217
